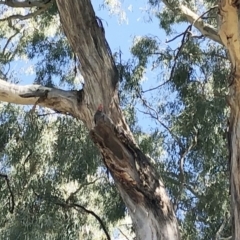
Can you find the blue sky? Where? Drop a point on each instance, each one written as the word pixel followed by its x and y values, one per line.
pixel 120 34
pixel 140 21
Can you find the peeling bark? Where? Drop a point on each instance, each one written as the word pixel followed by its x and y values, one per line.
pixel 229 33
pixel 66 102
pixel 140 187
pixel 136 179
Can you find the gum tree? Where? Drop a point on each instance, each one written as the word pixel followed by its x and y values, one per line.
pixel 135 177
pixel 138 183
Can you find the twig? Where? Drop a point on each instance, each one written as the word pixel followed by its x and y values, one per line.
pixel 77 206
pixel 181 170
pixel 171 40
pixel 96 216
pixel 192 190
pixel 219 231
pixel 184 34
pixel 210 9
pixel 123 233
pixel 27 16
pixel 154 88
pixel 174 178
pixel 187 31
pixel 24 4
pixel 82 185
pixel 158 120
pixel 8 41
pixel 12 204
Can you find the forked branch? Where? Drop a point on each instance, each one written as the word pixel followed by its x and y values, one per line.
pixel 42 9
pixel 196 20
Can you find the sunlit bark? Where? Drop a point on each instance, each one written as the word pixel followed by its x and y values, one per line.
pixel 229 33
pixel 136 179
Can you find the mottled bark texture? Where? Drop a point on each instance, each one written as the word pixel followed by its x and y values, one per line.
pixel 138 183
pixel 136 179
pixel 229 33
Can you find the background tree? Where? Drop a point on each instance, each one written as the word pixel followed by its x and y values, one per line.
pixel 54 168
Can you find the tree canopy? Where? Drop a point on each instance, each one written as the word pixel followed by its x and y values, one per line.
pixel 55 184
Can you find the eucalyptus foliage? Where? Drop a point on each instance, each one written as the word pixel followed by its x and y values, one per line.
pixel 47 159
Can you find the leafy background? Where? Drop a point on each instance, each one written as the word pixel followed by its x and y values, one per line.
pixel 47 161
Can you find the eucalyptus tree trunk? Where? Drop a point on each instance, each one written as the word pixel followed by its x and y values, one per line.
pixel 140 187
pixel 135 177
pixel 230 36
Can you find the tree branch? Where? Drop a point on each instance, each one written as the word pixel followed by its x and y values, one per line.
pixel 123 233
pixel 183 154
pixel 67 102
pixel 221 228
pixel 96 216
pixel 27 16
pixel 23 4
pixel 11 199
pixel 175 179
pixel 8 41
pixel 81 187
pixel 78 206
pixel 196 20
pixel 185 38
pixel 155 116
pixel 55 200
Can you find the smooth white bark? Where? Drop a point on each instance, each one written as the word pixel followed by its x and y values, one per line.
pixel 196 20
pixel 229 33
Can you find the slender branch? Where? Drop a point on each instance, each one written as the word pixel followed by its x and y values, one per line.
pixel 179 35
pixel 173 177
pixel 156 117
pixel 23 4
pixel 181 169
pixel 179 49
pixel 196 20
pixel 200 17
pixel 11 199
pixel 82 185
pixel 8 41
pixel 27 16
pixel 155 88
pixel 219 231
pixel 63 204
pixel 78 206
pixel 183 41
pixel 192 190
pixel 96 216
pixel 123 233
